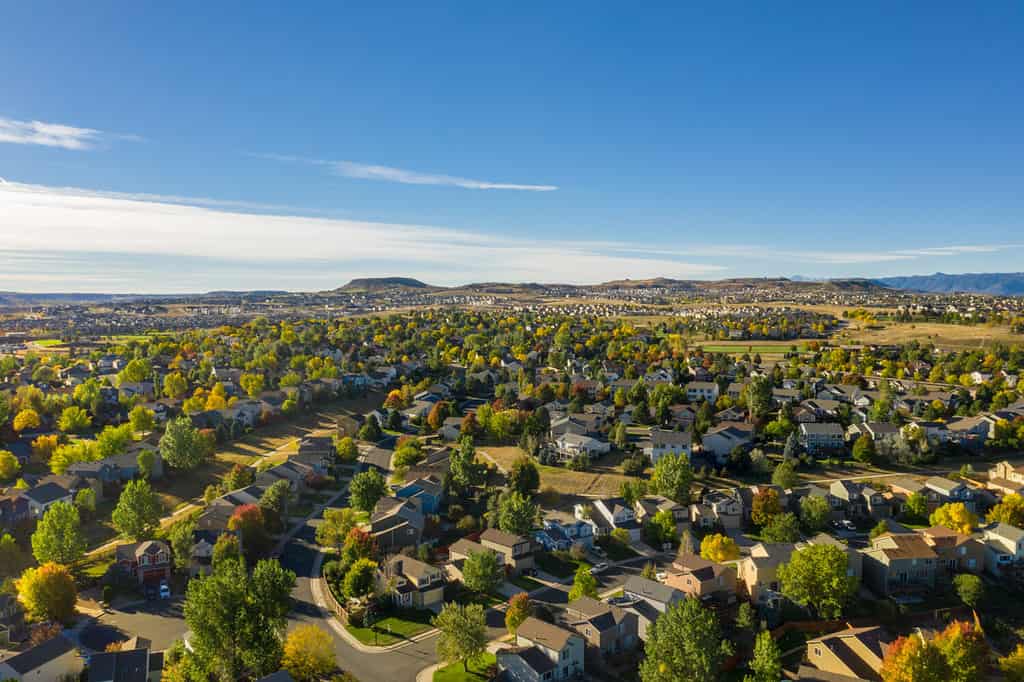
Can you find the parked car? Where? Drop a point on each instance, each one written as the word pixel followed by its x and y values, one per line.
pixel 662 576
pixel 165 590
pixel 623 602
pixel 598 568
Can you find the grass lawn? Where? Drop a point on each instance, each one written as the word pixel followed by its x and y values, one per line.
pixel 95 567
pixel 616 550
pixel 49 343
pixel 478 670
pixel 398 625
pixel 526 582
pixel 558 566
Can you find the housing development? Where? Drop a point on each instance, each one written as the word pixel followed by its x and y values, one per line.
pixel 652 480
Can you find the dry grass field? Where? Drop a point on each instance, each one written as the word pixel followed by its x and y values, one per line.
pixel 942 335
pixel 604 479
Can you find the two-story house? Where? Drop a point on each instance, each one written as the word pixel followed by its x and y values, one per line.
pixel 717 508
pixel 146 562
pixel 939 491
pixel 758 572
pixel 396 523
pixel 514 551
pixel 721 440
pixel 413 584
pixel 702 579
pixel 898 564
pixel 821 438
pixel 664 442
pixel 560 533
pixel 698 391
pixel 1006 478
pixel 957 553
pixel 1004 547
pixel 607 628
pixel 543 653
pixel 648 506
pixel 850 654
pixel 428 490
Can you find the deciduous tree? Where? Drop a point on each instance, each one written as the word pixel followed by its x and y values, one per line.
pixel 463 636
pixel 719 548
pixel 308 653
pixel 672 477
pixel 137 514
pixel 583 584
pixel 816 577
pixel 481 572
pixel 955 516
pixel 519 609
pixel 58 537
pixel 48 592
pixel 684 643
pixel 366 489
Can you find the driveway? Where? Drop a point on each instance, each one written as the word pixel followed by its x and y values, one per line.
pixel 159 621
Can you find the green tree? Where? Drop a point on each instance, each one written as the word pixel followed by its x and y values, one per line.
pixel 684 643
pixel 767 661
pixel 1009 510
pixel 965 650
pixel 782 528
pixel 463 636
pixel 13 559
pixel 814 513
pixel 745 617
pixel 360 580
pixel 145 460
pixel 238 620
pixel 85 499
pixel 347 450
pixel 672 477
pixel 142 419
pixel 516 513
pixel 370 430
pixel 464 471
pixel 969 588
pixel 519 609
pixel 864 449
pixel 58 537
pixel 252 383
pixel 583 584
pixel 482 573
pixel 9 465
pixel 785 475
pixel 816 577
pixel 175 385
pixel 137 514
pixel 759 396
pixel 917 506
pixel 274 502
pixel 182 446
pixel 765 506
pixel 524 476
pixel 366 489
pixel 180 539
pixel 74 420
pixel 914 659
pixel 335 527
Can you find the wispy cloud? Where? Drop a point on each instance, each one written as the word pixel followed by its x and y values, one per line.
pixel 55 134
pixel 365 171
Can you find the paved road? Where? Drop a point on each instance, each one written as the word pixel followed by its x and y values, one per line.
pixel 395 666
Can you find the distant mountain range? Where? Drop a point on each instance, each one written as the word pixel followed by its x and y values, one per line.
pixel 995 283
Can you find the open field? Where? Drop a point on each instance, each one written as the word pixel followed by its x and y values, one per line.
pixel 942 335
pixel 604 479
pixel 761 347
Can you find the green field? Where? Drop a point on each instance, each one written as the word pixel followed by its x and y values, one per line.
pixel 49 343
pixel 740 347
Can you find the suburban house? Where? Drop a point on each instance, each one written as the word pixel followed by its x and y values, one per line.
pixel 717 508
pixel 939 491
pixel 649 505
pixel 1004 547
pixel 12 620
pixel 698 391
pixel 561 532
pixel 857 500
pixel 43 496
pixel 656 595
pixel 1006 478
pixel 130 664
pixel 318 452
pixel 145 562
pixel 897 564
pixel 697 577
pixel 396 523
pixel 569 445
pixel 758 572
pixel 428 490
pixel 879 432
pixel 957 553
pixel 416 585
pixel 821 438
pixel 665 442
pixel 607 628
pixel 727 436
pixel 451 429
pixel 52 660
pixel 543 652
pixel 607 515
pixel 853 653
pixel 515 551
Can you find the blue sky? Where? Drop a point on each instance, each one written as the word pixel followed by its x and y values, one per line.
pixel 232 145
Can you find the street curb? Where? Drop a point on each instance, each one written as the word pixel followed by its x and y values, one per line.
pixel 317 587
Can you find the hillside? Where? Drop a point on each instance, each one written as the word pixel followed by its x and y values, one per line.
pixel 996 283
pixel 383 283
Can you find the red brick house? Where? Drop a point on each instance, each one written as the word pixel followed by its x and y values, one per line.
pixel 148 562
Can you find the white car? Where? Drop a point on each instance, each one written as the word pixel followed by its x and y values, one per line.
pixel 598 568
pixel 662 576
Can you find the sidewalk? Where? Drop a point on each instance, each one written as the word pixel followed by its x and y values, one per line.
pixel 317 587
